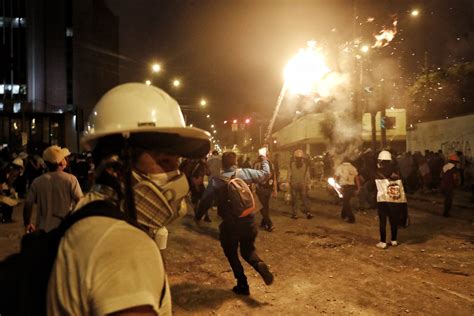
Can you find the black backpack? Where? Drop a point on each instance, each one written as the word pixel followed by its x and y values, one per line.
pixel 239 195
pixel 24 276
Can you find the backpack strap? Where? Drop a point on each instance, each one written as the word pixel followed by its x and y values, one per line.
pixel 95 208
pixel 235 173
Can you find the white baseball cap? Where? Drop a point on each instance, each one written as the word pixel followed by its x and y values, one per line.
pixel 18 162
pixel 55 154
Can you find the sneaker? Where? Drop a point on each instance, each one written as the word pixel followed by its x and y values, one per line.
pixel 241 289
pixel 267 276
pixel 394 243
pixel 294 216
pixel 309 215
pixel 381 245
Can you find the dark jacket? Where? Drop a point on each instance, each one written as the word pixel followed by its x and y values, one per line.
pixel 217 191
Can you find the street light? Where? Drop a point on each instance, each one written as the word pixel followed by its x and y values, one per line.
pixel 247 121
pixel 176 83
pixel 148 82
pixel 212 126
pixel 414 12
pixel 156 68
pixel 203 102
pixel 208 116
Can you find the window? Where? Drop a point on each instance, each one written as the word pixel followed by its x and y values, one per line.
pixel 16 107
pixel 16 89
pixel 1 106
pixel 390 122
pixel 69 32
pixel 15 22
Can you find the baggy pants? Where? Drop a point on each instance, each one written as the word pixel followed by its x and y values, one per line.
pixel 299 191
pixel 448 201
pixel 348 192
pixel 264 195
pixel 233 235
pixel 392 212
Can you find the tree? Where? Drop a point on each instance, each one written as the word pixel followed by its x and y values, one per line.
pixel 443 93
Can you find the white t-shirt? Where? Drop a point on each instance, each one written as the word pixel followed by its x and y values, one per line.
pixel 345 174
pixel 105 265
pixel 55 193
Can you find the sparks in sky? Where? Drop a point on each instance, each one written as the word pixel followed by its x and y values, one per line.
pixel 385 36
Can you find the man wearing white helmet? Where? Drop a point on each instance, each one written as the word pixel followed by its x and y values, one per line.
pixel 391 199
pixel 106 265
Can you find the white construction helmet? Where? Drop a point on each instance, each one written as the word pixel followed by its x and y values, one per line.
pixel 385 155
pixel 148 117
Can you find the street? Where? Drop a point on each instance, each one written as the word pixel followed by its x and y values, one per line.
pixel 324 265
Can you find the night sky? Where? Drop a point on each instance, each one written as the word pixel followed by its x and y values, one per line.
pixel 233 52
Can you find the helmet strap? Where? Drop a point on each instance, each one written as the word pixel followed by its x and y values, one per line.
pixel 129 194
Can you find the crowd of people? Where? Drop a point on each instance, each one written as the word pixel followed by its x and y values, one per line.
pixel 143 166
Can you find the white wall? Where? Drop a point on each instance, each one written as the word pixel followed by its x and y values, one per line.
pixel 448 135
pixel 307 129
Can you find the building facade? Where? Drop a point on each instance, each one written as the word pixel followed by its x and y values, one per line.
pixel 58 57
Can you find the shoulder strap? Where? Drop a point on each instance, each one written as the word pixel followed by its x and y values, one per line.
pixel 96 208
pixel 235 173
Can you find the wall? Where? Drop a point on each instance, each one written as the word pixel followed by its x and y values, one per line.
pixel 448 135
pixel 306 130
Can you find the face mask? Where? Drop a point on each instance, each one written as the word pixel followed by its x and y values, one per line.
pixel 160 179
pixel 159 198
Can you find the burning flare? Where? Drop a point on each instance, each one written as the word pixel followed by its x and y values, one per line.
pixel 385 36
pixel 336 186
pixel 306 69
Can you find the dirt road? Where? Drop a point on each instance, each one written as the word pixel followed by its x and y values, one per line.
pixel 323 265
pixel 327 266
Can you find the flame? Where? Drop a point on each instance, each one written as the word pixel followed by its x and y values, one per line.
pixel 336 186
pixel 385 36
pixel 306 70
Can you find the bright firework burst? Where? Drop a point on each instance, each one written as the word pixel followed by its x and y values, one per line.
pixel 385 36
pixel 306 69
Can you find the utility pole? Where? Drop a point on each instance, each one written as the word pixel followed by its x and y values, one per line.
pixel 383 129
pixel 373 130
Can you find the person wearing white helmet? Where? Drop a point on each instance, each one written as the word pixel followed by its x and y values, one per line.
pixel 109 266
pixel 391 199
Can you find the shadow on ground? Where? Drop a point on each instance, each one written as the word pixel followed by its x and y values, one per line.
pixel 193 297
